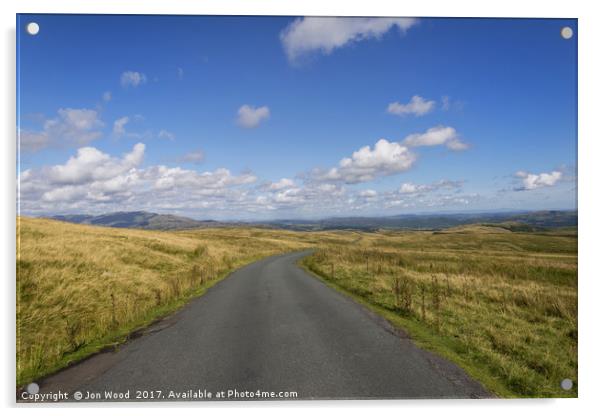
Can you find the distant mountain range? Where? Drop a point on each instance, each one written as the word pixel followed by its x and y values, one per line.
pixel 520 221
pixel 534 219
pixel 138 219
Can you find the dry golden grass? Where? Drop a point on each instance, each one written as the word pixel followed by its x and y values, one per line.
pixel 504 304
pixel 82 287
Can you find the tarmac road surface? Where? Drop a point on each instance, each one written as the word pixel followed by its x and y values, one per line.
pixel 273 329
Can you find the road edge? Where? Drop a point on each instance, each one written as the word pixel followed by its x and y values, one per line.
pixel 427 343
pixel 145 325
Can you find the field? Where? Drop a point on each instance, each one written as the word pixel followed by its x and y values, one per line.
pixel 500 303
pixel 81 288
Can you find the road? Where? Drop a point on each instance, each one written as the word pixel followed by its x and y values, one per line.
pixel 270 327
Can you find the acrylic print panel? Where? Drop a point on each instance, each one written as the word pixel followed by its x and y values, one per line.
pixel 289 208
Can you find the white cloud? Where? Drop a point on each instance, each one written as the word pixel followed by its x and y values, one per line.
pixel 366 164
pixel 411 188
pixel 32 141
pixel 435 136
pixel 180 73
pixel 325 34
pixel 132 79
pixel 90 164
pixel 532 181
pixel 120 130
pixel 119 126
pixel 182 179
pixel 107 96
pixel 93 181
pixel 286 195
pixel 456 144
pixel 250 117
pixel 417 106
pixel 72 127
pixel 164 134
pixel 368 193
pixel 196 157
pixel 281 184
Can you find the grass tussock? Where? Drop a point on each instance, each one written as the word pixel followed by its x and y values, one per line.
pixel 502 304
pixel 81 288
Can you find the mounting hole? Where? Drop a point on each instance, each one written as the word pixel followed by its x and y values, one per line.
pixel 33 388
pixel 566 32
pixel 33 28
pixel 566 384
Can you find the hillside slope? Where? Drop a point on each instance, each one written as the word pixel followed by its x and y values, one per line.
pixel 80 287
pixel 137 219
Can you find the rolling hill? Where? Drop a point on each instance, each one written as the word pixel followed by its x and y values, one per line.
pixel 522 221
pixel 138 219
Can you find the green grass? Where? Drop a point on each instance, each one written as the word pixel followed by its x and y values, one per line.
pixel 426 339
pixel 501 304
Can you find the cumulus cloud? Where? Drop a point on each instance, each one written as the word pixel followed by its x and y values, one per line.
pixel 71 127
pixel 32 141
pixel 178 178
pixel 119 126
pixel 92 181
pixel 107 96
pixel 286 195
pixel 368 193
pixel 366 164
pixel 436 136
pixel 530 181
pixel 121 129
pixel 196 157
pixel 413 196
pixel 132 79
pixel 443 193
pixel 90 164
pixel 412 188
pixel 417 106
pixel 250 117
pixel 283 183
pixel 164 134
pixel 325 34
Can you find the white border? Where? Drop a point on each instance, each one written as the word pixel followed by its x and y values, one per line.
pixel 590 210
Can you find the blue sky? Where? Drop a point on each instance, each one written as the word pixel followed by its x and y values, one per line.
pixel 281 117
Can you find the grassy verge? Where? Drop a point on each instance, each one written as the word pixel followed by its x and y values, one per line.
pixel 83 288
pixel 424 338
pixel 120 335
pixel 502 305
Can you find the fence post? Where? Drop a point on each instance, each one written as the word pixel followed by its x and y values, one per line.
pixel 422 289
pixel 436 301
pixel 396 290
pixel 113 309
